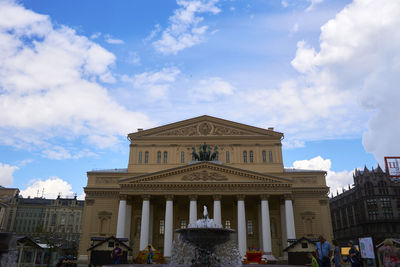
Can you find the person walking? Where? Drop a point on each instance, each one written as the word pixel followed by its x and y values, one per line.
pixel 337 254
pixel 323 252
pixel 116 254
pixel 388 255
pixel 355 256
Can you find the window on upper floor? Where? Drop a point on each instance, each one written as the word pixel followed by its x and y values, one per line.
pixel 251 156
pixel 165 156
pixel 264 156
pixel 140 157
pixel 183 224
pixel 146 157
pixel 245 156
pixel 386 203
pixel 271 159
pixel 373 215
pixel 182 157
pixel 369 188
pixel 227 157
pixel 159 157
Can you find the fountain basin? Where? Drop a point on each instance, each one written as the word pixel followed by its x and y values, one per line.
pixel 205 238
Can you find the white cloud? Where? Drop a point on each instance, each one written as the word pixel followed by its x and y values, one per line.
pixel 6 174
pixel 211 89
pixel 284 3
pixel 184 30
pixel 154 83
pixel 294 29
pixel 335 180
pixel 50 84
pixel 95 35
pixel 359 55
pixel 111 40
pixel 134 58
pixel 51 188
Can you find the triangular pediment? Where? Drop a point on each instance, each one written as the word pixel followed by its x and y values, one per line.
pixel 206 126
pixel 206 172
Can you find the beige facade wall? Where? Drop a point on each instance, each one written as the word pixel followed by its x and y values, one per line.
pixel 153 178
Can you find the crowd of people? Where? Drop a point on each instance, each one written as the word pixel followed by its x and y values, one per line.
pixel 325 255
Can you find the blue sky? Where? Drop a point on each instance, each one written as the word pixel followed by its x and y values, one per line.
pixel 77 76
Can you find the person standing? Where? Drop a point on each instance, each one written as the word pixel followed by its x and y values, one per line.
pixel 150 256
pixel 388 254
pixel 116 254
pixel 337 254
pixel 354 254
pixel 323 252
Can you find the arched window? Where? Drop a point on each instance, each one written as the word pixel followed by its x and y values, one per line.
pixel 165 156
pixel 146 157
pixel 159 157
pixel 227 157
pixel 140 157
pixel 245 156
pixel 264 156
pixel 182 157
pixel 251 157
pixel 270 156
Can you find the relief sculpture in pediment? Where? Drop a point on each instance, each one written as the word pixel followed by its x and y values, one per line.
pixel 204 128
pixel 204 176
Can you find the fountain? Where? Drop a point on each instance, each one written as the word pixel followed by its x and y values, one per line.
pixel 205 243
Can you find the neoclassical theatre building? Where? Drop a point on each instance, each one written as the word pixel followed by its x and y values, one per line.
pixel 245 187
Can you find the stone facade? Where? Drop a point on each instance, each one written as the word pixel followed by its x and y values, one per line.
pixel 370 208
pixel 247 189
pixel 49 221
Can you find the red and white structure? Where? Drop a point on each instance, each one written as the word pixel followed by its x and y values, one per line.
pixel 393 166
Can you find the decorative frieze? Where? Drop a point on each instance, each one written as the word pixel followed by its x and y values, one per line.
pixel 204 176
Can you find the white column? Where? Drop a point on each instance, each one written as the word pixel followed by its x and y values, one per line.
pixel 290 230
pixel 217 210
pixel 144 228
pixel 128 221
pixel 266 227
pixel 151 224
pixel 169 215
pixel 193 210
pixel 121 219
pixel 242 242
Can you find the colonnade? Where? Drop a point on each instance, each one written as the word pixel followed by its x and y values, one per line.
pixel 287 218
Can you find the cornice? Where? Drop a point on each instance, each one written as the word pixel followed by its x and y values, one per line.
pixel 206 165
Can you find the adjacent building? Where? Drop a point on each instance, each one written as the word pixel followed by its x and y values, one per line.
pixel 235 170
pixel 370 208
pixel 56 222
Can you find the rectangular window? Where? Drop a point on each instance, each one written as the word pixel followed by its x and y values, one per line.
pixel 250 227
pixel 251 157
pixel 264 156
pixel 159 157
pixel 228 224
pixel 140 157
pixel 183 224
pixel 182 157
pixel 228 160
pixel 162 227
pixel 270 156
pixel 165 157
pixel 146 157
pixel 245 156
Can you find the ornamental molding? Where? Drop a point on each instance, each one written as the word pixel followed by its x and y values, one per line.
pixel 222 170
pixel 100 193
pixel 190 188
pixel 204 175
pixel 305 180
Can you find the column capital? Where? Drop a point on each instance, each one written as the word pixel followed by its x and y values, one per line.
pixel 123 197
pixel 240 197
pixel 217 197
pixel 288 197
pixel 193 197
pixel 169 197
pixel 264 197
pixel 146 197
